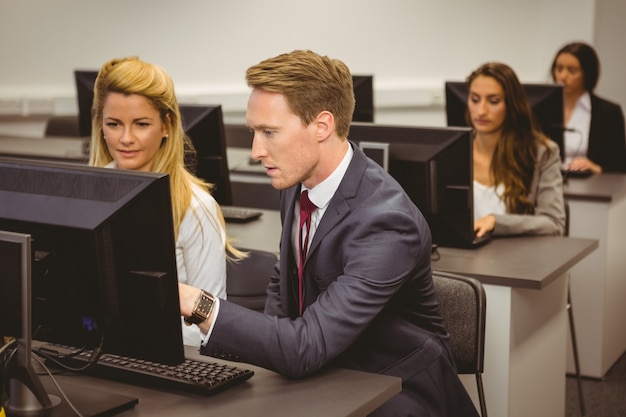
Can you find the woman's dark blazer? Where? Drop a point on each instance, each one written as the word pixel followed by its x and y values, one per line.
pixel 607 135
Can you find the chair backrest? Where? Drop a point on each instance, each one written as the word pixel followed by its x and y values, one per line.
pixel 463 303
pixel 66 126
pixel 247 279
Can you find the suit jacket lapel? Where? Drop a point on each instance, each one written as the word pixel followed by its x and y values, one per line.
pixel 341 203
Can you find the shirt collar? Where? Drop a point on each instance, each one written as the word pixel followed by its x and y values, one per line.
pixel 321 194
pixel 584 101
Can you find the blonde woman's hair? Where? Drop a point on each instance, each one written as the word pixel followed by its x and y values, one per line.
pixel 133 76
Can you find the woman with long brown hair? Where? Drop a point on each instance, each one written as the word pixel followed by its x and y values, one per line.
pixel 518 186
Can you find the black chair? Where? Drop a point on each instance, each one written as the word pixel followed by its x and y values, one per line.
pixel 66 126
pixel 247 279
pixel 463 308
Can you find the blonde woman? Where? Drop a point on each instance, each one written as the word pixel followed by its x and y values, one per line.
pixel 137 126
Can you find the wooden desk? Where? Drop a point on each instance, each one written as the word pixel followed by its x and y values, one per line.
pixel 598 284
pixel 525 280
pixel 73 149
pixel 334 392
pixel 260 234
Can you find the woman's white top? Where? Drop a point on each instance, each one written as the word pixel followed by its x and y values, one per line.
pixel 487 200
pixel 577 135
pixel 200 252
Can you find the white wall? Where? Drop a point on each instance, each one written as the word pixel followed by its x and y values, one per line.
pixel 411 46
pixel 609 38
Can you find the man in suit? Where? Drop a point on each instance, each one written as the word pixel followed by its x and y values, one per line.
pixel 362 297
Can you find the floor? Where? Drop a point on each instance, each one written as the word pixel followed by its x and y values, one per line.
pixel 606 398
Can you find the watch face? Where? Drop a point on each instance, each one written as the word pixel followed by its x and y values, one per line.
pixel 205 305
pixel 203 308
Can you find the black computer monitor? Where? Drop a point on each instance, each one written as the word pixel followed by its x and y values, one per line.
pixel 204 124
pixel 25 390
pixel 14 249
pixel 364 95
pixel 84 81
pixel 546 102
pixel 26 394
pixel 434 166
pixel 104 263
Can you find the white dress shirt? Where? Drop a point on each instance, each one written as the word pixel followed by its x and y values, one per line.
pixel 320 195
pixel 577 135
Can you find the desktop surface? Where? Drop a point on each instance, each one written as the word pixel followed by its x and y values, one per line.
pixel 528 262
pixel 601 187
pixel 66 149
pixel 333 392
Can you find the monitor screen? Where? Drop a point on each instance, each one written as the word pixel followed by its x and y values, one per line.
pixel 85 81
pixel 204 125
pixel 546 102
pixel 14 249
pixel 104 264
pixel 364 94
pixel 434 166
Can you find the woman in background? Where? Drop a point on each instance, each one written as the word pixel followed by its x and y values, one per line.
pixel 596 138
pixel 137 126
pixel 518 187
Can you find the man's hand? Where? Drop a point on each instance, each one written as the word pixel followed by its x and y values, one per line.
pixel 187 296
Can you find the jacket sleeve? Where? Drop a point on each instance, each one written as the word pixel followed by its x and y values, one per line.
pixel 547 196
pixel 615 141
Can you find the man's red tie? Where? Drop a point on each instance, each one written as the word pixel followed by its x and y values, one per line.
pixel 306 208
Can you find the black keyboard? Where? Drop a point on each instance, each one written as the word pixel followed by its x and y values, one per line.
pixel 196 376
pixel 567 173
pixel 240 214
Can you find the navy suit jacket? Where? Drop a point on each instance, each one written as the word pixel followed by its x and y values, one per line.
pixel 607 135
pixel 369 297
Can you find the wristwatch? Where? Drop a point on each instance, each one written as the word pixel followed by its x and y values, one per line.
pixel 202 310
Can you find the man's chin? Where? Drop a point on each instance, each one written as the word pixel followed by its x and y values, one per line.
pixel 281 185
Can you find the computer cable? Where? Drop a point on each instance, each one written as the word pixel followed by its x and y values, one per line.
pixel 53 356
pixel 6 354
pixel 58 387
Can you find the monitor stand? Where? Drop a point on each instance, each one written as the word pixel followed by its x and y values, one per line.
pixel 90 402
pixel 32 396
pixel 27 395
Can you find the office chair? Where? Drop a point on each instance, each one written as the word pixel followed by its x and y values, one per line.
pixel 463 308
pixel 247 279
pixel 65 126
pixel 572 329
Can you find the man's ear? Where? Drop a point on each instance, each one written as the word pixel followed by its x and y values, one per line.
pixel 325 125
